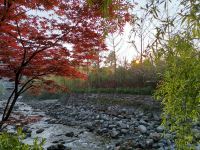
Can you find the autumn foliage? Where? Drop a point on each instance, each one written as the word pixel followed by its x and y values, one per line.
pixel 40 38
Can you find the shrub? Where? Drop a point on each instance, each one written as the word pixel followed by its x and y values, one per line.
pixel 9 141
pixel 180 91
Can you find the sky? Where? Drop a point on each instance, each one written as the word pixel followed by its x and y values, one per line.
pixel 126 49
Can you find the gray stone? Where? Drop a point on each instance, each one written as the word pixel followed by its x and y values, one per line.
pixel 69 134
pixel 156 116
pixel 155 136
pixel 149 142
pixel 123 125
pixel 160 129
pixel 102 131
pixel 61 146
pixel 124 131
pixel 39 131
pixel 142 128
pixel 142 122
pixel 62 142
pixel 101 121
pixel 120 116
pixel 112 126
pixel 114 134
pixel 89 126
pixel 52 147
pixel 55 142
pixel 58 147
pixel 105 117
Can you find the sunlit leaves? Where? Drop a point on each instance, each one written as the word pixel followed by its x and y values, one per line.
pixel 180 91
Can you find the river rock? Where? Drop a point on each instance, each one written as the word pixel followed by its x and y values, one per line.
pixel 142 128
pixel 119 124
pixel 142 122
pixel 56 141
pixel 102 131
pixel 114 134
pixel 160 129
pixel 149 142
pixel 155 136
pixel 89 126
pixel 69 134
pixel 58 147
pixel 111 126
pixel 156 116
pixel 124 131
pixel 123 125
pixel 39 131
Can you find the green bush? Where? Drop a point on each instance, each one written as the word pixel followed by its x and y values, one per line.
pixel 180 91
pixel 10 141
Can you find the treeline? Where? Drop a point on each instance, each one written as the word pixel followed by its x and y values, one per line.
pixel 132 78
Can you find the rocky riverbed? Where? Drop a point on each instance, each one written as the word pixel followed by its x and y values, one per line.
pixel 98 122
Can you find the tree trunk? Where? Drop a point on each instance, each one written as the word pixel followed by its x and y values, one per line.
pixel 8 109
pixel 7 104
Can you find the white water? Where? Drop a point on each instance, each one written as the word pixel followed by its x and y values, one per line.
pixel 55 132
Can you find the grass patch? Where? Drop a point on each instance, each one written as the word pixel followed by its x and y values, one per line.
pixel 43 96
pixel 133 91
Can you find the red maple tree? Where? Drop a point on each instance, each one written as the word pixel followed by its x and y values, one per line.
pixel 35 36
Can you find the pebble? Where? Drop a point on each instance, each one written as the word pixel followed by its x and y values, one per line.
pixel 155 136
pixel 160 129
pixel 69 134
pixel 39 131
pixel 124 131
pixel 142 129
pixel 58 147
pixel 149 142
pixel 114 134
